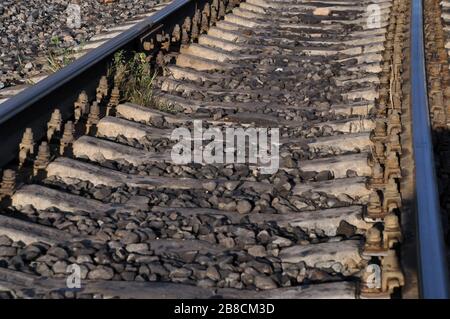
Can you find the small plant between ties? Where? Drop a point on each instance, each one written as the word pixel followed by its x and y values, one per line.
pixel 134 77
pixel 59 58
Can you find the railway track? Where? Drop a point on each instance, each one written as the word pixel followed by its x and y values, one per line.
pixel 77 52
pixel 97 190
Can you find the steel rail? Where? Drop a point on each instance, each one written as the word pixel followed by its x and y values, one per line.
pixel 432 260
pixel 22 100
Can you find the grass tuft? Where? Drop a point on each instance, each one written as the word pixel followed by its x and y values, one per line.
pixel 57 58
pixel 134 78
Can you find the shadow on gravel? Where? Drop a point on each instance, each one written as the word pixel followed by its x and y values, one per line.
pixel 442 160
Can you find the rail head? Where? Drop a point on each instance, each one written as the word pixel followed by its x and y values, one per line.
pixel 431 252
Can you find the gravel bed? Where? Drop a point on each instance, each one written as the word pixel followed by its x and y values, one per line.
pixel 315 88
pixel 28 28
pixel 142 225
pixel 304 128
pixel 228 198
pixel 119 260
pixel 232 172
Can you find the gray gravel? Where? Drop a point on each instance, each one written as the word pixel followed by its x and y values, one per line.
pixel 117 260
pixel 29 27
